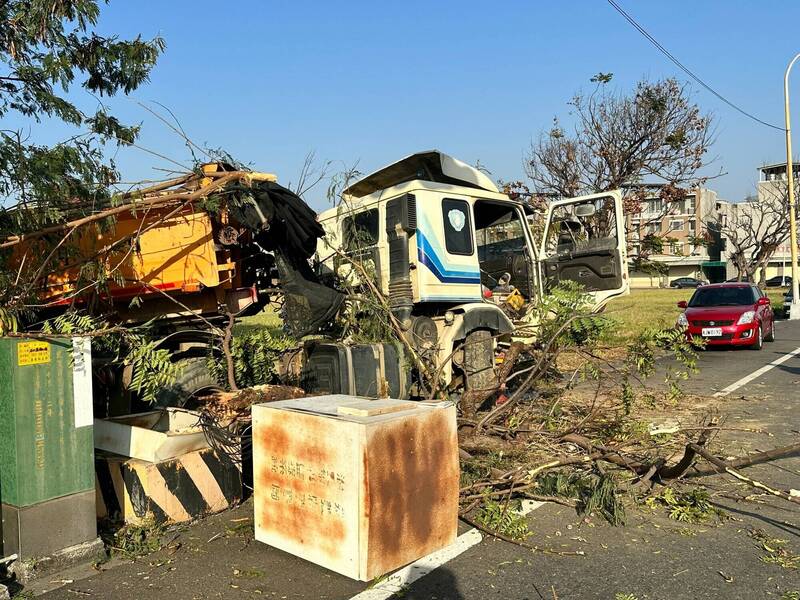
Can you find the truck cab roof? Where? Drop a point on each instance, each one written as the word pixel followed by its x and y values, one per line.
pixel 431 165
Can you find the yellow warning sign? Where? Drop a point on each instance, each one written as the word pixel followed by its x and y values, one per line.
pixel 33 353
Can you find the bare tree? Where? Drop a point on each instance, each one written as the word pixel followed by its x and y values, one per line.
pixel 655 134
pixel 619 140
pixel 311 174
pixel 754 230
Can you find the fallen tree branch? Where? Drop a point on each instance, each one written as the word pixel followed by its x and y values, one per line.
pixel 755 458
pixel 226 350
pixel 723 467
pixel 685 463
pixel 136 204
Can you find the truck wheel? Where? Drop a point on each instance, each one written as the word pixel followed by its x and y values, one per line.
pixel 479 360
pixel 193 380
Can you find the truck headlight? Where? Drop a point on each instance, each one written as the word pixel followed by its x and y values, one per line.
pixel 746 318
pixel 682 320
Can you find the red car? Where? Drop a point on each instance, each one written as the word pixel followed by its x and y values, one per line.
pixel 732 314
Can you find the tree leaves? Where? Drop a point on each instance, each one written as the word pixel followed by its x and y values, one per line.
pixel 618 140
pixel 47 48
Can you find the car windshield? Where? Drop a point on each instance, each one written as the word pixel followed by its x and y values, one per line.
pixel 722 296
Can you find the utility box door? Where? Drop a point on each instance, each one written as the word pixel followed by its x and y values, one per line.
pixel 46 441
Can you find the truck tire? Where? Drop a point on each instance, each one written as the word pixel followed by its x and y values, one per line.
pixel 193 380
pixel 479 360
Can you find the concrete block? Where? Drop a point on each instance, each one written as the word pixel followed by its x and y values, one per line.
pixel 360 487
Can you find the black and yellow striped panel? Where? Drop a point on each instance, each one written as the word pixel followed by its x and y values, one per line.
pixel 175 490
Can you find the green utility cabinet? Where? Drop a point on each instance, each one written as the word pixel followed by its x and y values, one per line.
pixel 47 476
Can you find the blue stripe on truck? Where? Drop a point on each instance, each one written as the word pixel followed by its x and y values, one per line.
pixel 428 257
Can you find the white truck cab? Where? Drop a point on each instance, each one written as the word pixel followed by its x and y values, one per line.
pixel 439 237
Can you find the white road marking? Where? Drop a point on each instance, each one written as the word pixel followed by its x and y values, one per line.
pixel 756 374
pixel 399 580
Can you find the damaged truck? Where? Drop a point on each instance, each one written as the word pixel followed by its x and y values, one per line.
pixel 457 260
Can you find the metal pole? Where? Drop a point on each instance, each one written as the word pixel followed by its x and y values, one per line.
pixel 794 310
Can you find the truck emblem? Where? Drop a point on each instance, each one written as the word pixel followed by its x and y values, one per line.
pixel 457 219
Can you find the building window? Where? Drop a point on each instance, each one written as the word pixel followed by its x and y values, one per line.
pixel 457 226
pixel 691 205
pixel 653 228
pixel 692 226
pixel 676 225
pixel 652 207
pixel 676 248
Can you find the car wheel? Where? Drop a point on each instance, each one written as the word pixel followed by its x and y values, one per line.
pixel 770 337
pixel 759 343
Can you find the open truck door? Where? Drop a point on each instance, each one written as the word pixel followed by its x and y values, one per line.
pixel 584 242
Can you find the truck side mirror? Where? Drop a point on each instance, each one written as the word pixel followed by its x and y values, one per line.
pixel 683 304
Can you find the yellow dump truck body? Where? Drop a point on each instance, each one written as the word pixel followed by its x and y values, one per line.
pixel 176 253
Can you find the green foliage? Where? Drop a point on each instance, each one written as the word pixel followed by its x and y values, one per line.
pixel 621 596
pixel 601 497
pixel 254 354
pixel 366 317
pixel 692 506
pixel 152 368
pixel 640 360
pixel 242 529
pixel 49 50
pixel 504 518
pixel 596 494
pixel 650 267
pixel 602 77
pixel 776 552
pixel 564 316
pixel 136 540
pixel 619 137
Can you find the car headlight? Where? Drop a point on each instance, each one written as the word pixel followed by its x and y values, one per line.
pixel 682 320
pixel 747 317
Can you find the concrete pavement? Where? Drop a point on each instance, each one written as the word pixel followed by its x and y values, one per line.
pixel 651 558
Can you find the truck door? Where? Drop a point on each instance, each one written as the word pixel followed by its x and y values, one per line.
pixel 503 246
pixel 584 242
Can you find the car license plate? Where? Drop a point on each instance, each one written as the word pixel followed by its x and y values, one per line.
pixel 711 331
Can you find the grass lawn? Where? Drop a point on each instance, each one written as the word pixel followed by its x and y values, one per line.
pixel 643 308
pixel 658 308
pixel 268 318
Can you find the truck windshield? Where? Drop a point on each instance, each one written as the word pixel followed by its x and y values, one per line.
pixel 732 296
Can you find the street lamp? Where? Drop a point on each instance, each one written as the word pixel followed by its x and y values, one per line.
pixel 794 310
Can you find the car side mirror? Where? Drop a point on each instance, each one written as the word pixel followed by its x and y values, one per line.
pixel 764 301
pixel 683 304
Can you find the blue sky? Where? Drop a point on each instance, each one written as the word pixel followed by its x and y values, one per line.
pixel 370 82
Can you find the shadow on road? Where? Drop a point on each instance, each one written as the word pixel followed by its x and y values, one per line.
pixel 441 584
pixel 784 526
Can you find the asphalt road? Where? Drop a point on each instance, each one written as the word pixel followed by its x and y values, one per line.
pixel 652 557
